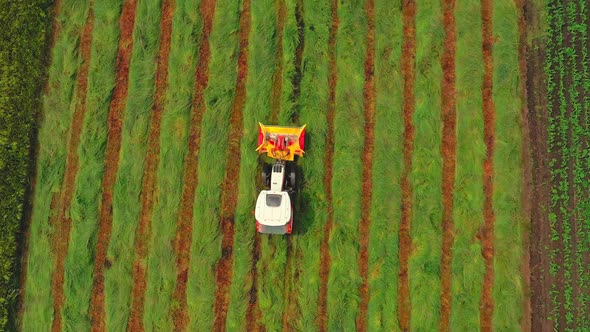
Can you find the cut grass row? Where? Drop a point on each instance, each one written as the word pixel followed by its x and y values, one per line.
pixel 58 106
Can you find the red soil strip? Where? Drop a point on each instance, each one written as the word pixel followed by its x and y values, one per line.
pixel 27 213
pixel 62 223
pixel 487 230
pixel 409 104
pixel 526 194
pixel 277 78
pixel 229 196
pixel 184 228
pixel 325 259
pixel 143 230
pixel 367 175
pixel 115 124
pixel 449 154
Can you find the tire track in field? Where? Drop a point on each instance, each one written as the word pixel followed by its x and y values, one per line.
pixel 449 155
pixel 229 196
pixel 113 147
pixel 143 231
pixel 62 223
pixel 367 175
pixel 405 240
pixel 184 230
pixel 292 270
pixel 487 230
pixel 325 259
pixel 27 216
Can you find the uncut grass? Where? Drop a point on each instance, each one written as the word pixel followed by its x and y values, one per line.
pixel 467 265
pixel 344 279
pixel 507 289
pixel 58 107
pixel 79 265
pixel 425 177
pixel 161 262
pixel 312 215
pixel 387 166
pixel 219 95
pixel 127 188
pixel 289 103
pixel 259 85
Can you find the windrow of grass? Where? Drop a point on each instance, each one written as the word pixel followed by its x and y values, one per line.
pixel 508 281
pixel 219 96
pixel 344 279
pixel 58 108
pixel 387 167
pixel 259 85
pixel 183 59
pixel 467 265
pixel 426 174
pixel 79 263
pixel 126 202
pixel 312 214
pixel 292 41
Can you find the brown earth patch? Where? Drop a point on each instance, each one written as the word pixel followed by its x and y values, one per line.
pixel 184 230
pixel 325 259
pixel 487 230
pixel 405 240
pixel 449 155
pixel 61 222
pixel 115 124
pixel 143 231
pixel 367 174
pixel 229 196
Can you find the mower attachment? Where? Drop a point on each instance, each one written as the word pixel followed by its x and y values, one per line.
pixel 280 142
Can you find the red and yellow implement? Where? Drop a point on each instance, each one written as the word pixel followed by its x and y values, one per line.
pixel 281 142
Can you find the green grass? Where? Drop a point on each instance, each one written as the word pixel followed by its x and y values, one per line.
pixel 468 264
pixel 79 265
pixel 311 217
pixel 426 232
pixel 127 188
pixel 161 264
pixel 58 107
pixel 219 96
pixel 387 166
pixel 258 108
pixel 23 60
pixel 344 278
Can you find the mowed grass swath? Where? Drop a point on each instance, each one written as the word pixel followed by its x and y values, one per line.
pixel 232 64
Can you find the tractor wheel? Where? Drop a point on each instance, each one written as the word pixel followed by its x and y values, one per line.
pixel 292 178
pixel 266 175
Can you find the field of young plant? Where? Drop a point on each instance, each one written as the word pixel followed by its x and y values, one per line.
pixel 411 211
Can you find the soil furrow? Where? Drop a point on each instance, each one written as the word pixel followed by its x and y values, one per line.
pixel 62 223
pixel 367 174
pixel 487 230
pixel 229 196
pixel 449 155
pixel 111 162
pixel 184 230
pixel 253 313
pixel 277 77
pixel 325 259
pixel 147 196
pixel 405 240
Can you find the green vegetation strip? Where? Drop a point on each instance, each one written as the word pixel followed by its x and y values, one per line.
pixel 259 86
pixel 79 263
pixel 507 290
pixel 23 45
pixel 161 270
pixel 468 265
pixel 387 166
pixel 344 279
pixel 206 242
pixel 426 175
pixel 58 108
pixel 311 218
pixel 126 203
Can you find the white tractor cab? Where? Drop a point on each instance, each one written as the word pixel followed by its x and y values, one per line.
pixel 274 206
